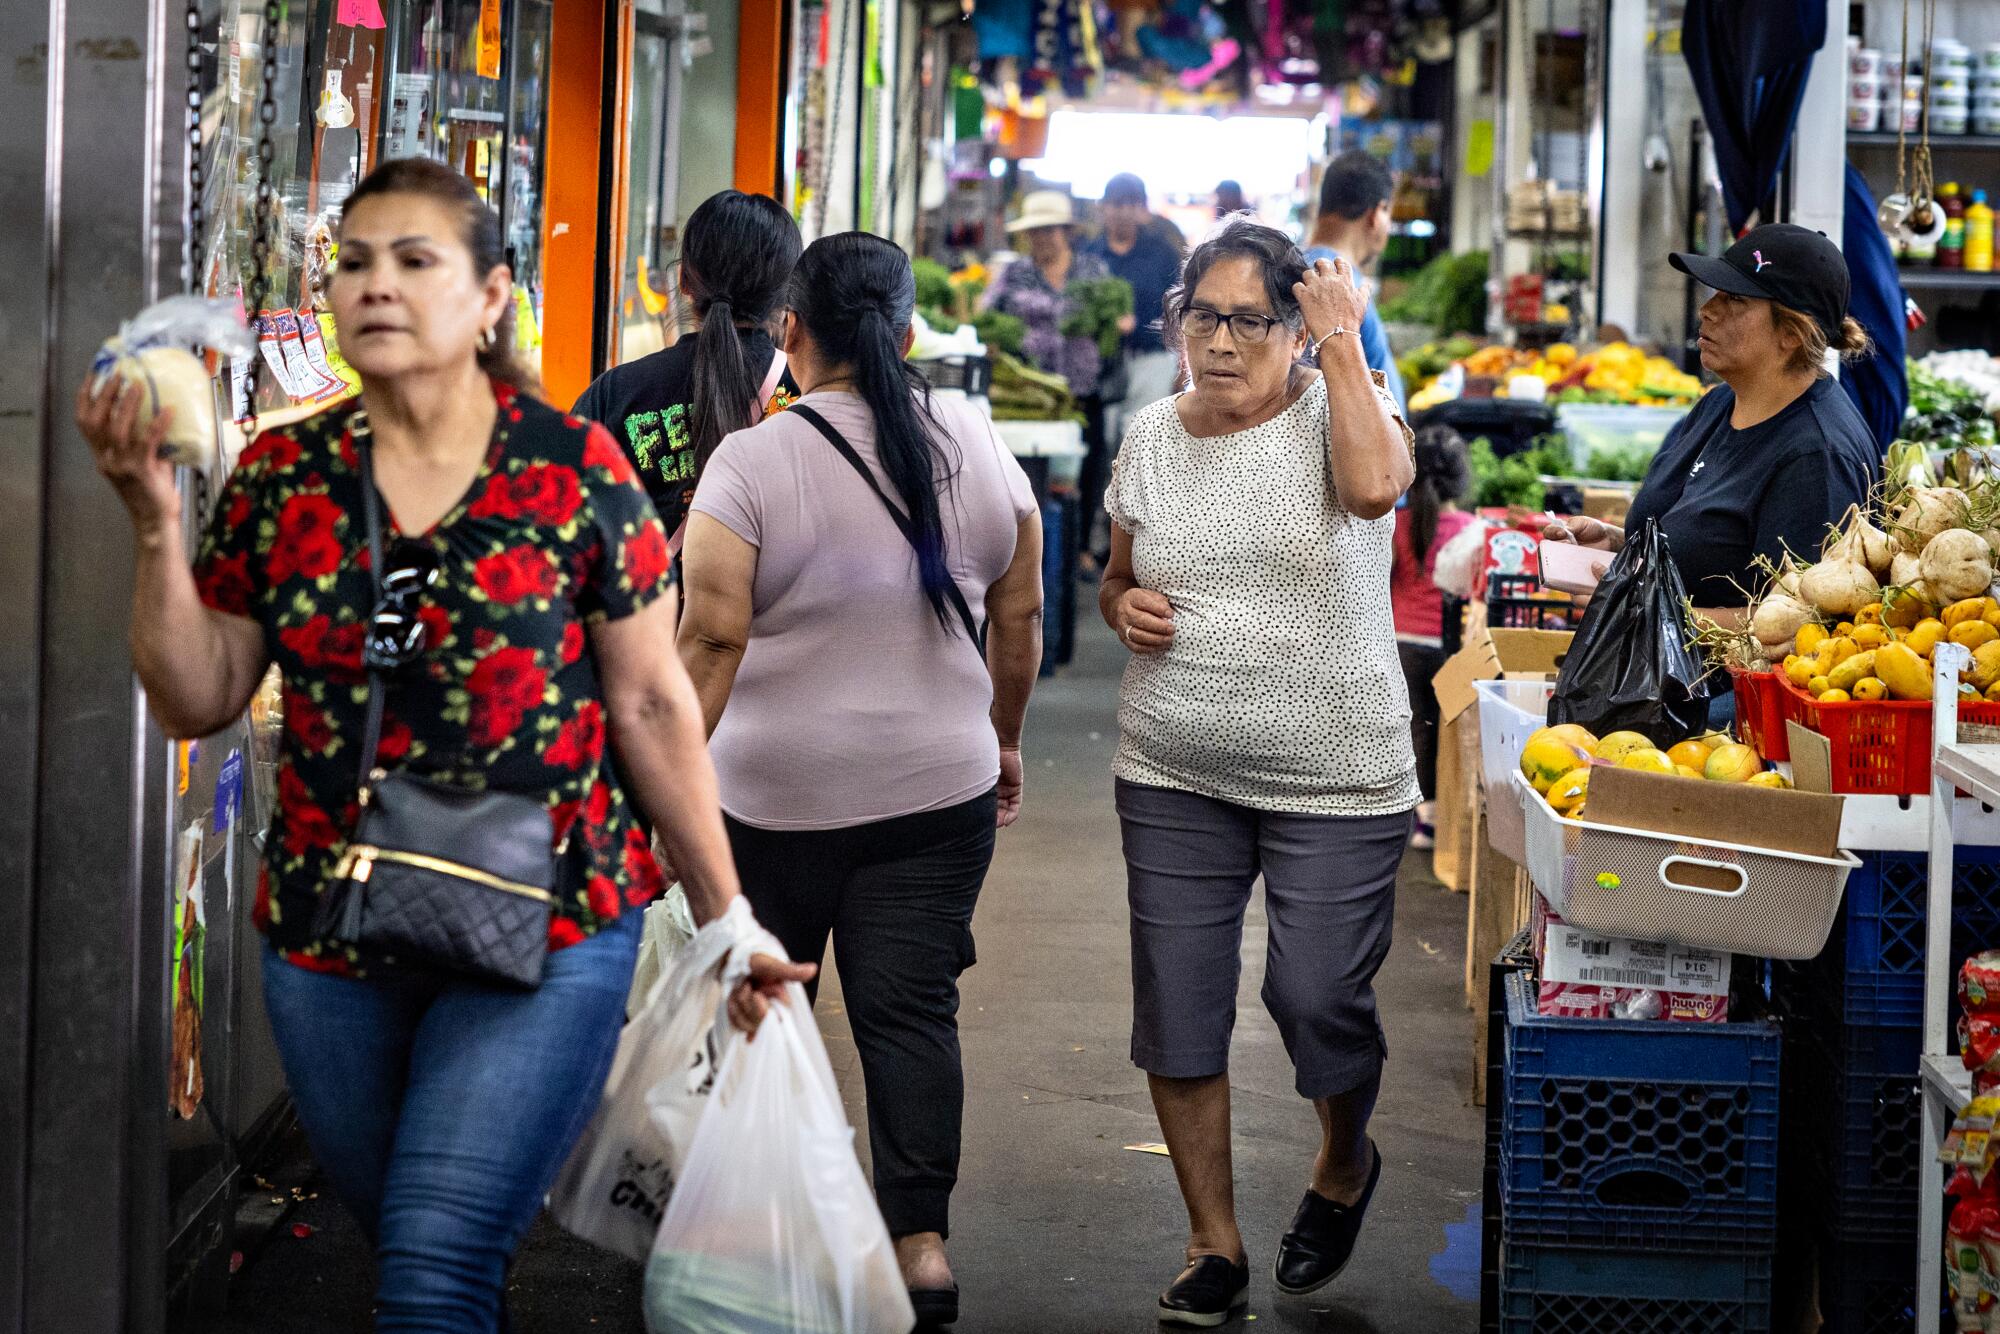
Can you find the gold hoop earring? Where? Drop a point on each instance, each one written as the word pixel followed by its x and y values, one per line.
pixel 486 340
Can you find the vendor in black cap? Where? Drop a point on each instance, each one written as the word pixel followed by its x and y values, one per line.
pixel 1773 456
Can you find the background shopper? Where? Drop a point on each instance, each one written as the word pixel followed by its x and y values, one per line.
pixel 1133 251
pixel 867 747
pixel 672 408
pixel 1036 290
pixel 1263 728
pixel 1354 222
pixel 439 1107
pixel 1428 518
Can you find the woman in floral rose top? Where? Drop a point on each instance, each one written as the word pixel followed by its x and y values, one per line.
pixel 440 1107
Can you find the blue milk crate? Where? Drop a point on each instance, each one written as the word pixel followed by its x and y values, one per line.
pixel 1517 955
pixel 1641 1134
pixel 1855 1117
pixel 1870 1288
pixel 1556 1291
pixel 1872 969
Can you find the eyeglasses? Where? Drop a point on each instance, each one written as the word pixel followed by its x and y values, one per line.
pixel 1249 330
pixel 395 632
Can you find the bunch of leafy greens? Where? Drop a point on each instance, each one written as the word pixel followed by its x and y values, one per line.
pixel 1001 333
pixel 1516 481
pixel 933 288
pixel 1096 305
pixel 1620 463
pixel 1944 412
pixel 1449 294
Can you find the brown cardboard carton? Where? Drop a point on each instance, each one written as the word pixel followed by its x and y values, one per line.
pixel 1495 653
pixel 1800 821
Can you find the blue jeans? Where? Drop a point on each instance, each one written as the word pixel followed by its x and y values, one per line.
pixel 441 1109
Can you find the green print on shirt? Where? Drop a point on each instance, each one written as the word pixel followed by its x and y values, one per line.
pixel 647 430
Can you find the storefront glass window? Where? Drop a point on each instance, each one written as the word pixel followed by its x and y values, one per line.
pixel 649 240
pixel 359 82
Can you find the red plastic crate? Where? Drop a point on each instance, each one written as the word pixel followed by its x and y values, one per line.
pixel 1760 713
pixel 1879 746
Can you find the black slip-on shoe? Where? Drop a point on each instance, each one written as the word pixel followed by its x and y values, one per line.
pixel 1209 1291
pixel 935 1307
pixel 1321 1240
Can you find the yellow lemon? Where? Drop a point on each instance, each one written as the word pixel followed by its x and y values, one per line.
pixel 1818 686
pixel 1569 791
pixel 1834 695
pixel 1573 735
pixel 1732 764
pixel 1618 745
pixel 1692 753
pixel 1768 778
pixel 1811 635
pixel 1548 759
pixel 1648 760
pixel 1870 688
pixel 1871 635
pixel 1972 634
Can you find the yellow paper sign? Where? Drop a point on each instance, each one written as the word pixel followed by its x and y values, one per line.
pixel 1479 148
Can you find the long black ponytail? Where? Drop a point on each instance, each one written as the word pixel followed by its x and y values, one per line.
pixel 855 294
pixel 1443 477
pixel 739 254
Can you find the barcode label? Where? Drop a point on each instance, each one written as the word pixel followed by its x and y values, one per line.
pixel 1595 949
pixel 1621 977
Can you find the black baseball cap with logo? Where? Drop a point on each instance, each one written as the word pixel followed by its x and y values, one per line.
pixel 1782 262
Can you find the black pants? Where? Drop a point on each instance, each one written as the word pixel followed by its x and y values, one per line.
pixel 897 898
pixel 1420 664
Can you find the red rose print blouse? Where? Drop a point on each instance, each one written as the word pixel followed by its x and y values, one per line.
pixel 555 532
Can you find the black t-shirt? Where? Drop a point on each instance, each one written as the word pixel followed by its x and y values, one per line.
pixel 1152 267
pixel 1725 496
pixel 645 404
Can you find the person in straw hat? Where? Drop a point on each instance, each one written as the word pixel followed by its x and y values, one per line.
pixel 1035 290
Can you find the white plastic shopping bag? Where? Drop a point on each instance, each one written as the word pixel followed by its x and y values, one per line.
pixel 772 1229
pixel 669 927
pixel 614 1188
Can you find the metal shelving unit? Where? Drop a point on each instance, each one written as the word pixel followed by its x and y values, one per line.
pixel 1947 1085
pixel 1952 280
pixel 1939 142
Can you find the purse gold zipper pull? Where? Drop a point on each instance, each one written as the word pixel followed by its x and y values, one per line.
pixel 356 864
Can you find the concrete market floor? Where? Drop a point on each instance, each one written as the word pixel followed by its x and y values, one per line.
pixel 1057 1227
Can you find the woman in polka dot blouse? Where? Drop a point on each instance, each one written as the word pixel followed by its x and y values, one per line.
pixel 1264 729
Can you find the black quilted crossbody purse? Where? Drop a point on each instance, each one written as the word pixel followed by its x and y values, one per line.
pixel 437 875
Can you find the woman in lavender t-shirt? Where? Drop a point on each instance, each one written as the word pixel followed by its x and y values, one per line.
pixel 840 559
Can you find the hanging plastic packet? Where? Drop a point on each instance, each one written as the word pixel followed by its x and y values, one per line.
pixel 156 350
pixel 1979 1022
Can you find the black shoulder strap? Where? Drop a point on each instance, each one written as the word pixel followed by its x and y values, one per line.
pixel 903 522
pixel 371 513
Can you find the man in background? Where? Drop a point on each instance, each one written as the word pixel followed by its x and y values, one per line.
pixel 1353 224
pixel 1229 199
pixel 1132 248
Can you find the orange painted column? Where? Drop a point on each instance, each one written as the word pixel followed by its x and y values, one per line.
pixel 570 240
pixel 760 94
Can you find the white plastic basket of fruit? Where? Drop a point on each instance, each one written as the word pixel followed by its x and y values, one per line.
pixel 1713 893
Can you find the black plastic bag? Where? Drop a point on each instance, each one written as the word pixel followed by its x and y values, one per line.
pixel 1630 667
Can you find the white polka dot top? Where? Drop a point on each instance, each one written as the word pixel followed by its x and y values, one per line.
pixel 1282 690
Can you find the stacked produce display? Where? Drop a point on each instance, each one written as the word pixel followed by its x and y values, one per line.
pixel 1616 373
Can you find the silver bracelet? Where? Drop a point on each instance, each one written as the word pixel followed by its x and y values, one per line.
pixel 1338 330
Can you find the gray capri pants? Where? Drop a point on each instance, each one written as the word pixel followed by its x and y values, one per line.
pixel 1329 896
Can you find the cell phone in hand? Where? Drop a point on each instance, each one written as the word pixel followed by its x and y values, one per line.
pixel 1569 568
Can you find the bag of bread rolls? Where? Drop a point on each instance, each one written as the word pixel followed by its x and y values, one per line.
pixel 157 351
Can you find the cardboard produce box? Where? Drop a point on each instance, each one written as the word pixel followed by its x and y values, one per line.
pixel 1496 653
pixel 1587 975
